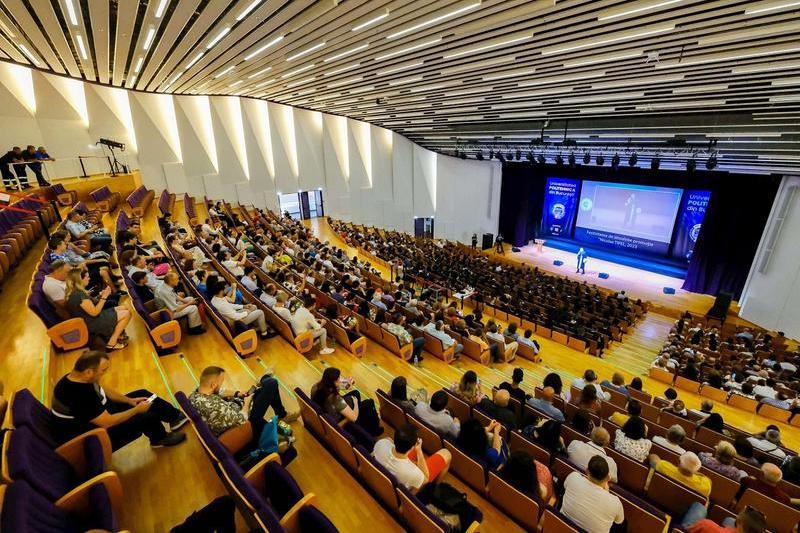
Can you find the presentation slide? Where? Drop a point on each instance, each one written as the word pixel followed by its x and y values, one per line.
pixel 633 218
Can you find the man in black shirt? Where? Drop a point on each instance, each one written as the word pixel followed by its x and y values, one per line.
pixel 81 403
pixel 9 179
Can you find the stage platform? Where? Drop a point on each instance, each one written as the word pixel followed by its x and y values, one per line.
pixel 636 282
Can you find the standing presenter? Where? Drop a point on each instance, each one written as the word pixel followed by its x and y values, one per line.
pixel 581 257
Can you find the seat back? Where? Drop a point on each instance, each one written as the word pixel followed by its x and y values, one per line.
pixel 521 507
pixel 780 518
pixel 639 515
pixel 659 374
pixel 312 519
pixel 687 384
pixel 390 412
pixel 340 442
pixel 709 437
pixel 718 395
pixel 643 397
pixel 28 458
pixel 309 412
pixel 748 404
pixel 417 517
pixel 380 480
pixel 458 407
pixel 518 442
pixel 671 496
pixel 723 488
pixel 431 441
pixel 24 509
pixel 555 522
pixel 670 419
pixel 631 474
pixel 775 413
pixel 472 472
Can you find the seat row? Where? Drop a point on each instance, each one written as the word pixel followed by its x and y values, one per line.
pixel 64 197
pixel 268 496
pixel 105 200
pixel 20 228
pixel 140 199
pixel 51 485
pixel 166 202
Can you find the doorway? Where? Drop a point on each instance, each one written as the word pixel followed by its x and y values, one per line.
pixel 423 227
pixel 302 205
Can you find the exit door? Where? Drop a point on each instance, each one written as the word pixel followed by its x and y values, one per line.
pixel 423 227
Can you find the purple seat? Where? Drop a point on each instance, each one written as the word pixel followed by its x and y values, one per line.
pixel 312 520
pixel 31 459
pixel 27 411
pixel 280 488
pixel 27 511
pixel 358 435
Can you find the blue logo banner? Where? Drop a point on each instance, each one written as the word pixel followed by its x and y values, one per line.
pixel 690 220
pixel 560 201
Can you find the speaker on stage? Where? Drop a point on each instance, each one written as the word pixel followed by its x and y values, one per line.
pixel 488 241
pixel 603 275
pixel 721 305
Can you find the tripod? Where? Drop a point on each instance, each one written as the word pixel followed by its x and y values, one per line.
pixel 116 166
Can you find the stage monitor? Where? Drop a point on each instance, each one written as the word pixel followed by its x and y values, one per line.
pixel 631 218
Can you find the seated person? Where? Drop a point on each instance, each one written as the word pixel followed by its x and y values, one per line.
pixel 403 458
pixel 80 228
pixel 617 383
pixel 514 388
pixel 99 272
pixel 54 287
pixel 345 408
pixel 526 339
pixel 140 287
pixel 749 520
pixel 468 388
pixel 224 410
pixel 528 476
pixel 634 408
pixel 674 439
pixel 234 264
pixel 398 392
pixel 580 453
pixel 247 314
pixel 303 320
pixel 768 484
pixel 721 461
pixel 80 402
pixel 507 350
pixel 138 263
pixel 545 404
pixel 590 378
pixel 436 329
pixel 499 409
pixel 180 306
pixel 484 444
pixel 769 443
pixel 632 441
pixel 686 472
pixel 396 326
pixel 588 399
pixel 587 500
pixel 106 323
pixel 437 416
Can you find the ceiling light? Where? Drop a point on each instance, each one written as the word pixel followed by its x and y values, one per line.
pixel 346 52
pixel 509 74
pixel 82 47
pixel 340 70
pixel 222 73
pixel 257 85
pixel 373 20
pixel 259 73
pixel 399 68
pixel 247 10
pixel 615 37
pixel 408 49
pixel 624 13
pixel 764 7
pixel 28 54
pixel 601 59
pixel 193 61
pixel 300 82
pixel 234 84
pixel 434 20
pixel 306 51
pixel 561 79
pixel 148 40
pixel 713 58
pixel 344 82
pixel 216 39
pixel 488 46
pixel 405 80
pixel 132 80
pixel 766 67
pixel 138 66
pixel 297 71
pixel 254 53
pixel 161 7
pixel 73 16
pixel 6 29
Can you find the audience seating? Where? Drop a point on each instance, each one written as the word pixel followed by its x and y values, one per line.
pixel 63 196
pixel 105 200
pixel 166 202
pixel 140 199
pixel 671 496
pixel 780 518
pixel 555 522
pixel 191 213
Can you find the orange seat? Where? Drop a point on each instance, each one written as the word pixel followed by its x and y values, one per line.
pixel 780 518
pixel 687 384
pixel 520 507
pixel 670 496
pixel 775 413
pixel 662 375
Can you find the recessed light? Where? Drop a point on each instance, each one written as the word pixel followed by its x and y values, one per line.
pixel 248 9
pixel 222 73
pixel 82 47
pixel 297 71
pixel 408 49
pixel 346 53
pixel 373 20
pixel 259 73
pixel 306 51
pixel 161 7
pixel 434 20
pixel 254 53
pixel 216 39
pixel 71 13
pixel 148 40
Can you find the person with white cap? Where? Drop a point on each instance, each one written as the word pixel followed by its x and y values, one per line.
pixel 686 472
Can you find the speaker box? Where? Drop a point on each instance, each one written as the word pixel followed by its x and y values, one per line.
pixel 488 241
pixel 721 305
pixel 558 263
pixel 603 275
pixel 669 290
pixel 514 249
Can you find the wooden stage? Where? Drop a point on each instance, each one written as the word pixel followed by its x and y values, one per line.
pixel 636 283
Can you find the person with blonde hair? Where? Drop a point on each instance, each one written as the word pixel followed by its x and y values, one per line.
pixel 721 461
pixel 106 323
pixel 468 388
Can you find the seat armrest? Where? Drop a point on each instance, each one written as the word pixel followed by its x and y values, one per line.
pixel 73 452
pixel 291 520
pixel 236 438
pixel 76 501
pixel 255 476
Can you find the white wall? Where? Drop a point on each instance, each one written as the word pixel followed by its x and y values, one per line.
pixel 249 150
pixel 772 299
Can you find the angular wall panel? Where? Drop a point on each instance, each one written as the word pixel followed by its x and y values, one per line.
pixel 284 146
pixel 196 131
pixel 424 182
pixel 229 138
pixel 259 145
pixel 308 132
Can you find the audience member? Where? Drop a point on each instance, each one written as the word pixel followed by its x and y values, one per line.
pixel 674 439
pixel 545 404
pixel 468 388
pixel 404 459
pixel 587 500
pixel 617 383
pixel 769 444
pixel 631 440
pixel 749 520
pixel 686 472
pixel 348 407
pixel 767 484
pixel 436 415
pixel 179 306
pixel 580 452
pixel 553 380
pixel 528 476
pixel 721 461
pixel 590 378
pixel 108 324
pixel 514 387
pixel 303 320
pixel 398 392
pixel 245 313
pixel 484 444
pixel 499 410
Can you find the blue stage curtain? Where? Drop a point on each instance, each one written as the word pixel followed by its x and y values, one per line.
pixel 521 200
pixel 735 219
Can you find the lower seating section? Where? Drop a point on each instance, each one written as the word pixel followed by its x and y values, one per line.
pixel 105 200
pixel 54 486
pixel 166 202
pixel 140 199
pixel 268 495
pixel 20 228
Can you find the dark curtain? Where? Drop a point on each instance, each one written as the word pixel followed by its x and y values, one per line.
pixel 736 217
pixel 521 200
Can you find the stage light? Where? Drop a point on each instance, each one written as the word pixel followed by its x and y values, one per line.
pixel 655 163
pixel 600 160
pixel 518 155
pixel 571 159
pixel 587 157
pixel 711 162
pixel 632 160
pixel 615 162
pixel 541 159
pixel 479 155
pixel 691 164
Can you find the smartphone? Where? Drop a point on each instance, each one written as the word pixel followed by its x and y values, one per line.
pixel 151 398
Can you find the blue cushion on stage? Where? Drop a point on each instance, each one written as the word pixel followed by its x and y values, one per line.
pixel 603 275
pixel 558 263
pixel 669 290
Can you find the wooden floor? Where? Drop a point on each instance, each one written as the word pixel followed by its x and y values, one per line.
pixel 164 486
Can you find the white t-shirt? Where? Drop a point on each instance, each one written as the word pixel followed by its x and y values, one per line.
pixel 580 453
pixel 664 443
pixel 406 472
pixel 591 507
pixel 234 268
pixel 54 289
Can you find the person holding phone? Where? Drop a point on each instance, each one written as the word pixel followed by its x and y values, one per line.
pixel 81 403
pixel 105 323
pixel 403 457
